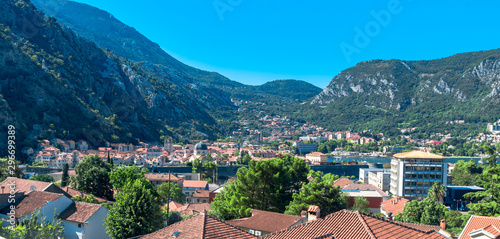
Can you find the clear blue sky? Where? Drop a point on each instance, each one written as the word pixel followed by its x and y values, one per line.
pixel 255 41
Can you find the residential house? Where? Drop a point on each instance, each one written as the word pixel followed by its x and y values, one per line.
pixel 393 206
pixel 200 196
pixel 373 195
pixel 380 180
pixel 158 179
pixel 317 158
pixel 264 222
pixel 25 186
pixel 481 227
pixel 199 226
pixel 84 220
pixel 347 224
pixel 190 186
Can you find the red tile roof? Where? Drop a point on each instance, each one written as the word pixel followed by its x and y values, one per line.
pixel 173 206
pixel 25 185
pixel 193 208
pixel 342 182
pixel 31 202
pixel 266 221
pixel 201 193
pixel 351 224
pixel 365 187
pixel 194 184
pixel 479 222
pixel 199 226
pixel 394 205
pixel 79 212
pixel 74 192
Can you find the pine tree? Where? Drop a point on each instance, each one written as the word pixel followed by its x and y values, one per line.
pixel 65 175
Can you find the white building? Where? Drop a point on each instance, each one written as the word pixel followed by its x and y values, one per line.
pixel 317 158
pixel 494 128
pixel 381 180
pixel 413 173
pixel 364 173
pixel 305 148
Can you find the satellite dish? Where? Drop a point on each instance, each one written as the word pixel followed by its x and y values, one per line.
pixel 32 188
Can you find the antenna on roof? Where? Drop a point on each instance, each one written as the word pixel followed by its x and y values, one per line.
pixel 32 188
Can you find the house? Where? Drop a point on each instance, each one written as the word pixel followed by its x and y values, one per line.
pixel 158 179
pixel 46 202
pixel 373 195
pixel 193 208
pixel 317 158
pixel 74 192
pixel 199 226
pixel 25 186
pixel 481 227
pixel 84 220
pixel 342 182
pixel 347 224
pixel 393 206
pixel 200 196
pixel 190 186
pixel 263 222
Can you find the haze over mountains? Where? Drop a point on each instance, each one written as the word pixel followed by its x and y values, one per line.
pixel 80 73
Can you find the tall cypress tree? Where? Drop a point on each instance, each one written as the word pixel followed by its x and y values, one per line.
pixel 109 160
pixel 65 176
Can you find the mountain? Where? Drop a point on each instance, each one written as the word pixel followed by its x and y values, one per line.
pixel 392 94
pixel 56 83
pixel 108 32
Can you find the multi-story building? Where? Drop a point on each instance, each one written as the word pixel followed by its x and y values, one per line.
pixel 364 173
pixel 413 173
pixel 380 179
pixel 317 158
pixel 494 128
pixel 305 148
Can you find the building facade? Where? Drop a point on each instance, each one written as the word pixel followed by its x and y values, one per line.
pixel 413 173
pixel 364 173
pixel 381 180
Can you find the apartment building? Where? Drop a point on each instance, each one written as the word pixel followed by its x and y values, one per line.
pixel 413 173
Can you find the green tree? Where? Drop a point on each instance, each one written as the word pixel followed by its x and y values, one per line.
pixel 464 172
pixel 5 169
pixel 92 177
pixel 209 170
pixel 436 192
pixel 122 175
pixel 43 178
pixel 455 221
pixel 427 211
pixel 110 161
pixel 173 217
pixel 135 212
pixel 35 226
pixel 244 160
pixel 361 205
pixel 175 193
pixel 318 191
pixel 65 175
pixel 488 200
pixel 90 199
pixel 196 166
pixel 264 185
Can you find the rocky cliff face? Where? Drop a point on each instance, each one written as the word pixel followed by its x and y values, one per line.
pixel 463 86
pixel 71 88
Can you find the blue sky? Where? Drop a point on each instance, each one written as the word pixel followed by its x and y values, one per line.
pixel 255 41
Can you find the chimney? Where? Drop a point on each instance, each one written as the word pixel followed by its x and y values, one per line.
pixel 313 213
pixel 303 213
pixel 443 224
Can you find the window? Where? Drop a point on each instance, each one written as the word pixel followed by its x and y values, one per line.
pixel 251 231
pixel 257 233
pixel 79 225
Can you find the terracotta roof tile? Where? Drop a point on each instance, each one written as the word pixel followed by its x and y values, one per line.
pixel 194 184
pixel 394 205
pixel 26 185
pixel 266 221
pixel 479 222
pixel 201 193
pixel 79 212
pixel 160 177
pixel 74 192
pixel 30 202
pixel 342 182
pixel 199 226
pixel 351 224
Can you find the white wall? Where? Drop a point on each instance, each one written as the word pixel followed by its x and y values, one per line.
pixel 94 229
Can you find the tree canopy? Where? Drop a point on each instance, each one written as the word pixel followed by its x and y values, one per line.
pixel 43 178
pixel 122 175
pixel 318 191
pixel 92 177
pixel 265 185
pixel 135 212
pixel 176 194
